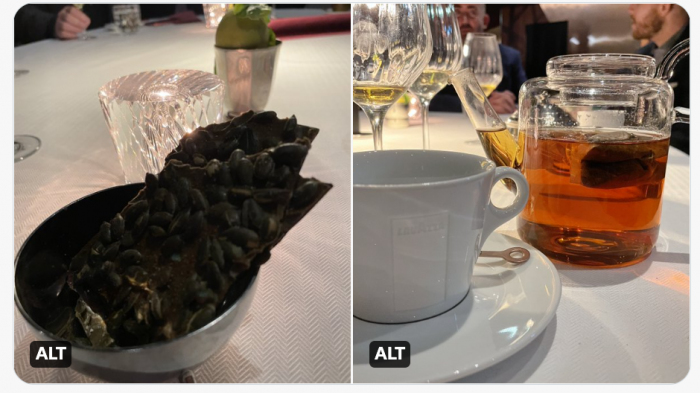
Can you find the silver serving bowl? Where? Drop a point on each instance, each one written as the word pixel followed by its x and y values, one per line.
pixel 49 249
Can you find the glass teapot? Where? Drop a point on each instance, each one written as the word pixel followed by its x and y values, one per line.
pixel 593 144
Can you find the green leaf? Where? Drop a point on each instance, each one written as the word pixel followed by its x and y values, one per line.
pixel 238 9
pixel 259 12
pixel 273 38
pixel 253 11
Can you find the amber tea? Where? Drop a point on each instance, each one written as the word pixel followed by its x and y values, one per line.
pixel 595 195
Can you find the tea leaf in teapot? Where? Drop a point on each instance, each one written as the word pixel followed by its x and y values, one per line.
pixel 618 159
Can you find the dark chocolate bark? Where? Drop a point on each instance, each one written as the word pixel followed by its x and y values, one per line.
pixel 182 250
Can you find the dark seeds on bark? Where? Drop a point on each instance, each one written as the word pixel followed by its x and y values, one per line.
pixel 203 250
pixel 140 225
pixel 244 171
pixel 156 232
pixel 127 240
pixel 225 178
pixel 264 166
pixel 235 157
pixel 172 245
pixel 151 185
pixel 112 251
pixel 105 233
pixel 242 237
pixel 199 202
pixel 134 210
pixel 292 154
pixel 183 191
pixel 179 223
pixel 223 214
pixel 117 227
pixel 130 257
pixel 194 226
pixel 304 194
pixel 215 194
pixel 169 204
pixel 161 219
pixel 199 160
pixel 216 253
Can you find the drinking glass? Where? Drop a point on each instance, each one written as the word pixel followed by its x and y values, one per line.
pixel 148 113
pixel 481 54
pixel 25 145
pixel 84 35
pixel 392 45
pixel 213 14
pixel 446 59
pixel 127 17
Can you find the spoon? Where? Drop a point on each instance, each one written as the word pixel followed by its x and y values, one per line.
pixel 513 254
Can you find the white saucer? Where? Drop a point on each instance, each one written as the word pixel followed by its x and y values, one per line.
pixel 508 306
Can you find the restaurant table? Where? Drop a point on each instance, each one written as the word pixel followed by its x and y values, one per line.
pixel 298 327
pixel 628 324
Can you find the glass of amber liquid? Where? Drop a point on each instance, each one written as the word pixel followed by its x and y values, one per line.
pixel 595 194
pixel 592 142
pixel 392 44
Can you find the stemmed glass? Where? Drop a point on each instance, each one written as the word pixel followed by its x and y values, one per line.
pixel 392 44
pixel 446 59
pixel 482 55
pixel 84 35
pixel 25 146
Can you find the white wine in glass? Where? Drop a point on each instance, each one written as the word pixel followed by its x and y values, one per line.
pixel 391 46
pixel 487 87
pixel 429 83
pixel 446 59
pixel 376 95
pixel 483 56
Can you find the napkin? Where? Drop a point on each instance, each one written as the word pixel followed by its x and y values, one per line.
pixel 178 18
pixel 311 25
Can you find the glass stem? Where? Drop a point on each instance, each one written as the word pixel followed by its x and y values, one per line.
pixel 425 108
pixel 376 117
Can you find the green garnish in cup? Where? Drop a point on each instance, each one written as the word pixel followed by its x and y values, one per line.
pixel 245 27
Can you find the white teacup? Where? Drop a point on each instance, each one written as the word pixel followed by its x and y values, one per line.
pixel 420 218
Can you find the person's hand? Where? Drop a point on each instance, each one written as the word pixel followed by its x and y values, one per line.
pixel 70 22
pixel 502 101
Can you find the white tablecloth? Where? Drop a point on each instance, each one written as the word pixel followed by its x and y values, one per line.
pixel 614 325
pixel 298 328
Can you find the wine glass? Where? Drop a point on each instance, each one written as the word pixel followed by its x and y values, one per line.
pixel 446 59
pixel 392 44
pixel 482 55
pixel 25 146
pixel 83 35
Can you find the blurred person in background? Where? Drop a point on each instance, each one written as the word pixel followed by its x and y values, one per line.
pixel 472 18
pixel 665 25
pixel 36 22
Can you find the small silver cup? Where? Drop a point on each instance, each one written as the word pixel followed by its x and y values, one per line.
pixel 247 76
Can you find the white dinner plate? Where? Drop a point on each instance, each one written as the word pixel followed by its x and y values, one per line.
pixel 508 306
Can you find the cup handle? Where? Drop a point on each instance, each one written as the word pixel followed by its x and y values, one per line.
pixel 496 216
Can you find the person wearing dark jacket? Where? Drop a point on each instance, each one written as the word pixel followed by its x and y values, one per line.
pixel 36 22
pixel 474 19
pixel 665 25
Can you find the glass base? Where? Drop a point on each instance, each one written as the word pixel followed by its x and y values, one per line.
pixel 25 146
pixel 600 249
